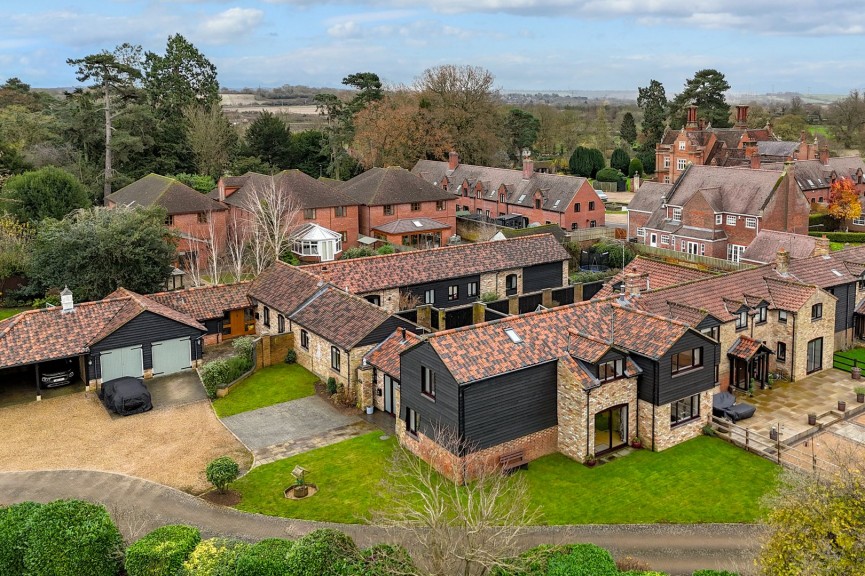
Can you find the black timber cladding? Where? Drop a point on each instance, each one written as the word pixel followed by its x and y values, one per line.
pixel 385 329
pixel 143 330
pixel 509 406
pixel 845 306
pixel 659 386
pixel 444 411
pixel 542 276
pixel 441 290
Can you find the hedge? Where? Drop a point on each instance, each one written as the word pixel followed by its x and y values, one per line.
pixel 72 538
pixel 852 237
pixel 381 560
pixel 162 552
pixel 266 558
pixel 321 553
pixel 214 557
pixel 583 560
pixel 13 521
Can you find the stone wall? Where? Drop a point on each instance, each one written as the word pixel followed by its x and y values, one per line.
pixel 272 348
pixel 807 330
pixel 667 435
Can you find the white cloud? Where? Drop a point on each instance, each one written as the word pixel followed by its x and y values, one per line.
pixel 227 25
pixel 347 29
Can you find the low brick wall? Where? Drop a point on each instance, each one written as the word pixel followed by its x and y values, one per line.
pixel 271 349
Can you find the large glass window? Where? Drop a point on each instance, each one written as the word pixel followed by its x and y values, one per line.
pixel 815 355
pixel 687 359
pixel 685 410
pixel 335 358
pixel 611 370
pixel 611 428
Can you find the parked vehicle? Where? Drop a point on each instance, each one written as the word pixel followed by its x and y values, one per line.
pixel 57 373
pixel 126 396
pixel 602 195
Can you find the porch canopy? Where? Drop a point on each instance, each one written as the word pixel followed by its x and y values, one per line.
pixel 749 360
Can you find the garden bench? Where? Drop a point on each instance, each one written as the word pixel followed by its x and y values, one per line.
pixel 513 461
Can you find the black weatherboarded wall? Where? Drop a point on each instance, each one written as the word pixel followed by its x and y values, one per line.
pixel 444 410
pixel 659 386
pixel 846 305
pixel 509 406
pixel 542 276
pixel 441 290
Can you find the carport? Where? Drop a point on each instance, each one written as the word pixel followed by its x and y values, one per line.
pixel 18 384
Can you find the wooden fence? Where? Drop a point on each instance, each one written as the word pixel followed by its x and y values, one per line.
pixel 708 262
pixel 596 233
pixel 800 457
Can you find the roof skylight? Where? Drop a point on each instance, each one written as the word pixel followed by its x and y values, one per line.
pixel 512 334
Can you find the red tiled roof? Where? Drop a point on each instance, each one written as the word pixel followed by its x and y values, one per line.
pixel 745 347
pixel 764 248
pixel 360 275
pixel 485 350
pixel 660 275
pixel 206 302
pixel 586 347
pixel 385 356
pixel 339 317
pixel 49 333
pixel 284 287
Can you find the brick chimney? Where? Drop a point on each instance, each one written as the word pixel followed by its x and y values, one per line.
pixel 692 117
pixel 823 155
pixel 633 282
pixel 741 116
pixel 755 160
pixel 528 168
pixel 453 160
pixel 821 246
pixel 782 261
pixel 221 188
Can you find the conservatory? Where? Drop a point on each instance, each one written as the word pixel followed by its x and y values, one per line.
pixel 314 243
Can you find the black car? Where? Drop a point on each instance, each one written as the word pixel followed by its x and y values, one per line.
pixel 126 396
pixel 57 373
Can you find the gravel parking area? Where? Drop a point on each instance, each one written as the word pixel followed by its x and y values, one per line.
pixel 171 445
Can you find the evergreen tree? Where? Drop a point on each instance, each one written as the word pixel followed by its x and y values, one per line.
pixel 620 160
pixel 269 138
pixel 586 162
pixel 653 101
pixel 628 129
pixel 706 91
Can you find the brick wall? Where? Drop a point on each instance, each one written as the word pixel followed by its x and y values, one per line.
pixel 374 216
pixel 316 356
pixel 272 348
pixel 667 435
pixel 637 220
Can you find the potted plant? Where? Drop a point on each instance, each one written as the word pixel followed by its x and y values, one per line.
pixel 842 405
pixel 860 394
pixel 636 442
pixel 300 488
pixel 590 459
pixel 751 387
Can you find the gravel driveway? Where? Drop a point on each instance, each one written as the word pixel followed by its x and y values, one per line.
pixel 287 422
pixel 171 445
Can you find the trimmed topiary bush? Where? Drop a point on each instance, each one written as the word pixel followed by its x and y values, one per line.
pixel 72 538
pixel 162 552
pixel 266 558
pixel 290 357
pixel 321 553
pixel 583 560
pixel 13 521
pixel 853 237
pixel 331 385
pixel 636 165
pixel 609 175
pixel 214 557
pixel 380 560
pixel 222 472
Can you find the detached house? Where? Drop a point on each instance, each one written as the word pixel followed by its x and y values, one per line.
pixel 815 177
pixel 568 201
pixel 452 275
pixel 398 207
pixel 580 379
pixel 717 212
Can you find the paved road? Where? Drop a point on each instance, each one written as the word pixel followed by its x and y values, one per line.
pixel 139 506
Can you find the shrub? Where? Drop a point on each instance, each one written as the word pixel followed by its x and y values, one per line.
pixel 162 552
pixel 583 560
pixel 356 253
pixel 636 165
pixel 72 538
pixel 331 385
pixel 619 160
pixel 633 565
pixel 641 573
pixel 489 297
pixel 13 537
pixel 714 573
pixel 854 237
pixel 709 431
pixel 609 175
pixel 380 560
pixel 291 357
pixel 583 277
pixel 386 249
pixel 266 558
pixel 289 258
pixel 321 553
pixel 244 346
pixel 220 373
pixel 214 557
pixel 619 255
pixel 222 472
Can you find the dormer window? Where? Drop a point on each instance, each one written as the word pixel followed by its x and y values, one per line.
pixel 611 370
pixel 677 214
pixel 762 312
pixel 742 320
pixel 681 144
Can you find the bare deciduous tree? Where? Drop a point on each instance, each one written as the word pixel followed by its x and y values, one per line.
pixel 272 212
pixel 214 250
pixel 456 528
pixel 211 137
pixel 237 239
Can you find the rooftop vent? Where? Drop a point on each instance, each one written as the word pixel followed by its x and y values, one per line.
pixel 66 300
pixel 512 334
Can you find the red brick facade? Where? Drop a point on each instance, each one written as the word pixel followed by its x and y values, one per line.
pixel 371 217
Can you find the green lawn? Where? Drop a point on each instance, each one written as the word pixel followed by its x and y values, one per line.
pixel 835 246
pixel 702 480
pixel 348 475
pixel 7 312
pixel 268 386
pixel 847 357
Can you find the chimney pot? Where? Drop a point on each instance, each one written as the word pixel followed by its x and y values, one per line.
pixel 453 160
pixel 692 117
pixel 741 116
pixel 402 330
pixel 755 160
pixel 528 168
pixel 821 246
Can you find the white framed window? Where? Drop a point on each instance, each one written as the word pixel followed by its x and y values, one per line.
pixel 681 144
pixel 731 220
pixel 681 163
pixel 694 248
pixel 684 246
pixel 677 214
pixel 734 252
pixel 429 297
pixel 719 218
pixel 641 232
pixel 666 161
pixel 859 221
pixel 750 222
pixel 666 179
pixel 665 239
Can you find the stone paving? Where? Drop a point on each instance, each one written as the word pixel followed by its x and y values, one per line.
pixel 292 447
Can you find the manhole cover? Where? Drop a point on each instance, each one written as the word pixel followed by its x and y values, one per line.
pixel 384 437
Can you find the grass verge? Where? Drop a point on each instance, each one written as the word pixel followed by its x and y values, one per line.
pixel 9 312
pixel 266 387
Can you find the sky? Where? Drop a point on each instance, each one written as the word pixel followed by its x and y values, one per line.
pixel 761 46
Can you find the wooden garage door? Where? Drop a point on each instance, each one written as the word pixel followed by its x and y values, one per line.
pixel 121 362
pixel 170 356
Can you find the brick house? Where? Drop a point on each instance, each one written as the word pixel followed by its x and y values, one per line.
pixel 452 275
pixel 332 329
pixel 815 177
pixel 569 201
pixel 398 207
pixel 700 145
pixel 190 212
pixel 717 212
pixel 580 379
pixel 764 248
pixel 314 202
